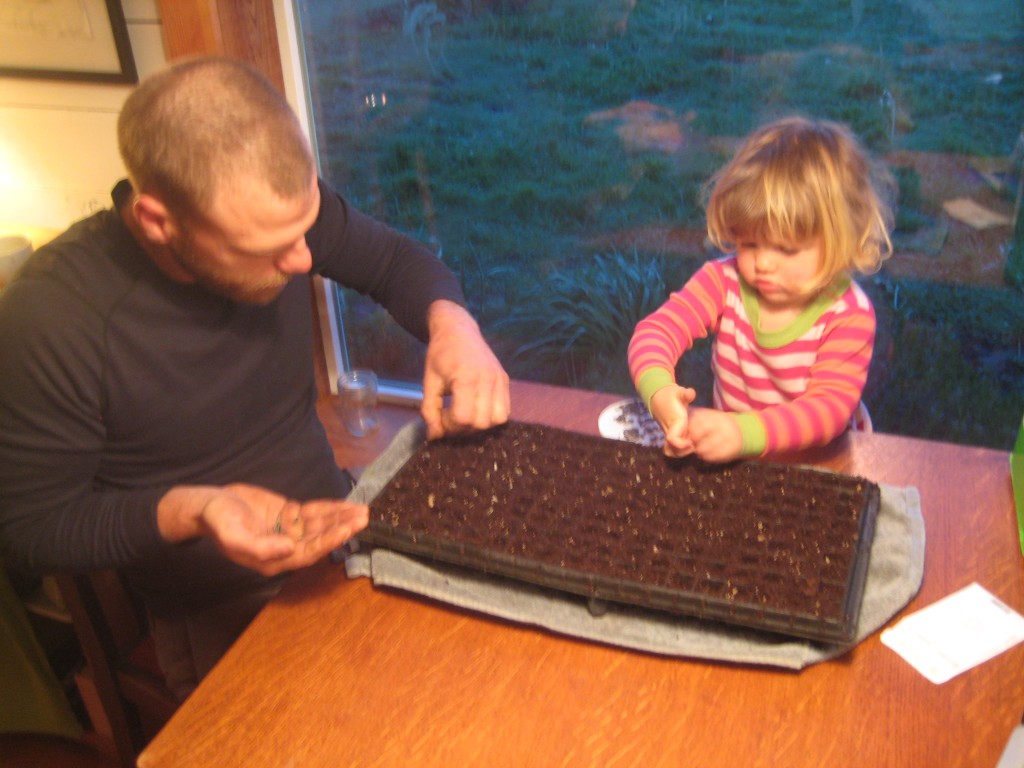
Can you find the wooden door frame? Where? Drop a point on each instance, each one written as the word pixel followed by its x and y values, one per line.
pixel 243 29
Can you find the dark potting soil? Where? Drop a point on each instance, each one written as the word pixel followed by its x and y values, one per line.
pixel 773 546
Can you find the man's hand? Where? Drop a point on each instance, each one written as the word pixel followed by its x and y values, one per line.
pixel 257 528
pixel 716 435
pixel 669 406
pixel 461 364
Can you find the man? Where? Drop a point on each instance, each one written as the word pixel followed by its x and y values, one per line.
pixel 157 397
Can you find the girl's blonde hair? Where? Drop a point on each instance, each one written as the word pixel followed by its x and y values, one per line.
pixel 796 179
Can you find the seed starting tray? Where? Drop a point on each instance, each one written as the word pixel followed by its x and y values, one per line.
pixel 775 547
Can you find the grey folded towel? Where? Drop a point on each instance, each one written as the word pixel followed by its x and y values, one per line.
pixel 895 572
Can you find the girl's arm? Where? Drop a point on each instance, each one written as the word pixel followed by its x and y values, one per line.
pixel 661 338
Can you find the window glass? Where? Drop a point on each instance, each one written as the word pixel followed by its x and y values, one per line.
pixel 552 153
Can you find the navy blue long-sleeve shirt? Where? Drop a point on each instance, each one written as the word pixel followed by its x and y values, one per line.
pixel 117 383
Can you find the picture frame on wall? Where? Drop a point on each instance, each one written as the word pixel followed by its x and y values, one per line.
pixel 83 40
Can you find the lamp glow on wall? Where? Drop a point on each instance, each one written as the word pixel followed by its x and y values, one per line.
pixel 15 176
pixel 12 173
pixel 20 211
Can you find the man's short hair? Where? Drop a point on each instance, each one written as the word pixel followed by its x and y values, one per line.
pixel 209 121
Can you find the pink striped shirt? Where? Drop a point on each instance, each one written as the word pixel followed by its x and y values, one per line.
pixel 791 388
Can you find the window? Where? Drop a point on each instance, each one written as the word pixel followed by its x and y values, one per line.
pixel 552 152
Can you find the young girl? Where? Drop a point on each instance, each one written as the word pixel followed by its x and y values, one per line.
pixel 796 211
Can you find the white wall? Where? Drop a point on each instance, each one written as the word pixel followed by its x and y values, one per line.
pixel 58 148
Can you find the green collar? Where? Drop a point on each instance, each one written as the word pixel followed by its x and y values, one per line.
pixel 801 323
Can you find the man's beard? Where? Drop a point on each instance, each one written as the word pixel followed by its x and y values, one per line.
pixel 218 282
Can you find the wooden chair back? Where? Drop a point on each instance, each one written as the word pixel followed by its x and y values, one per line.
pixel 113 632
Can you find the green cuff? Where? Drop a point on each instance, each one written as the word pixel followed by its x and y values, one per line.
pixel 755 439
pixel 651 381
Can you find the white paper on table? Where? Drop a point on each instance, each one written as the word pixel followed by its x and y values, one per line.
pixel 956 633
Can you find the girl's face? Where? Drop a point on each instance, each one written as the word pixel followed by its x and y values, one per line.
pixel 783 274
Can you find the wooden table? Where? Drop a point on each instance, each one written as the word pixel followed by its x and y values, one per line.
pixel 338 673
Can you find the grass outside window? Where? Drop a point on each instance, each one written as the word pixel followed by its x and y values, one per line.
pixel 552 153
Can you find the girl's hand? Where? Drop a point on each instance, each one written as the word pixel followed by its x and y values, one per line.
pixel 715 435
pixel 669 406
